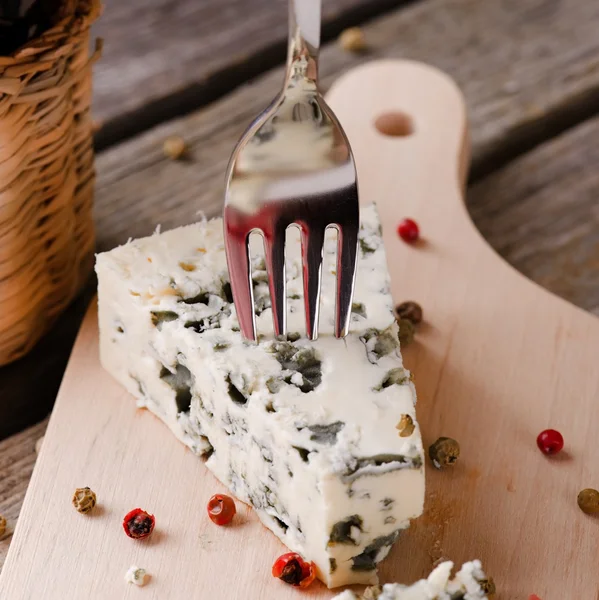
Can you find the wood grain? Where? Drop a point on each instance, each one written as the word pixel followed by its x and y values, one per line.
pixel 17 458
pixel 163 57
pixel 498 360
pixel 542 214
pixel 529 68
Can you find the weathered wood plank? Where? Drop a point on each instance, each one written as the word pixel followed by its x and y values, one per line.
pixel 166 57
pixel 542 214
pixel 17 459
pixel 529 68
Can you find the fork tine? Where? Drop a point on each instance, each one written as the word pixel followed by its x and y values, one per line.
pixel 238 259
pixel 346 274
pixel 312 250
pixel 274 246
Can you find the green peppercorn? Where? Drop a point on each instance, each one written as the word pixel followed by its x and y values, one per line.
pixel 84 499
pixel 406 331
pixel 444 452
pixel 588 501
pixel 411 311
pixel 488 586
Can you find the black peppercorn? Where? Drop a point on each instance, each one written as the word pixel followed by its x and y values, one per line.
pixel 411 311
pixel 444 452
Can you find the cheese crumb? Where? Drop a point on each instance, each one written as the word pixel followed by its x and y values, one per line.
pixel 136 575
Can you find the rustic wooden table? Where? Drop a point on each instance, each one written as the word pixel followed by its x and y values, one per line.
pixel 529 70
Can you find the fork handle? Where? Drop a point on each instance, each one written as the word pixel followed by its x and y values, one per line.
pixel 304 39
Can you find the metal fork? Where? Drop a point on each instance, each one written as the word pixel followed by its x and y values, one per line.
pixel 293 166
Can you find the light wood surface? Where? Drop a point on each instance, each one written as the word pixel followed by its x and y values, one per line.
pixel 497 360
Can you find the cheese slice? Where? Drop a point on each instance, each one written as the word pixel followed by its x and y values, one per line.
pixel 303 431
pixel 470 583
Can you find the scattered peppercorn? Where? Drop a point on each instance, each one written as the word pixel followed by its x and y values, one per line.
pixel 444 452
pixel 84 500
pixel 550 441
pixel 588 501
pixel 408 230
pixel 405 426
pixel 138 524
pixel 410 311
pixel 353 40
pixel 221 509
pixel 174 147
pixel 2 526
pixel 488 586
pixel 406 331
pixel 294 570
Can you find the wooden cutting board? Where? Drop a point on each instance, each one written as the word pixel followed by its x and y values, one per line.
pixel 497 360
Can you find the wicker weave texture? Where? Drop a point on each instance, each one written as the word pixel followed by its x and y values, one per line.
pixel 46 179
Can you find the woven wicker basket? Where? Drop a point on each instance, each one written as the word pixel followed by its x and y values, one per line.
pixel 46 179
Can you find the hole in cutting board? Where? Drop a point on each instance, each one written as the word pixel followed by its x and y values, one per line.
pixel 394 124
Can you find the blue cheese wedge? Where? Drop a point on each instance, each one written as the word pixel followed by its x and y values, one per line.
pixel 470 583
pixel 303 431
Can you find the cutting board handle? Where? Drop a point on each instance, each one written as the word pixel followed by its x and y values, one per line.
pixel 497 360
pixel 403 115
pixel 406 122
